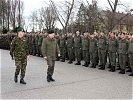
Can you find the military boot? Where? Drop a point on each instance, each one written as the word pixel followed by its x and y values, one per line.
pixel 48 78
pixel 78 63
pixel 22 81
pixel 113 68
pixel 15 79
pixel 70 62
pixel 87 64
pixel 122 71
pixel 51 79
pixel 102 68
pixel 131 73
pixel 63 60
pixel 109 66
pixel 84 64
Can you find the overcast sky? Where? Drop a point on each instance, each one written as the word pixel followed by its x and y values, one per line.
pixel 32 5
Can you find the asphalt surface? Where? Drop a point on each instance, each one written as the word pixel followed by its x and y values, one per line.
pixel 72 82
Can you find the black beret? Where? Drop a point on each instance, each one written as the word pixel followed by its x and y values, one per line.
pixel 50 31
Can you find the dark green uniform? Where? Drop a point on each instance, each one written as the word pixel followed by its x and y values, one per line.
pixel 112 49
pixel 85 49
pixel 49 50
pixel 123 51
pixel 70 42
pixel 93 51
pixel 40 45
pixel 77 47
pixel 19 50
pixel 102 51
pixel 130 54
pixel 63 48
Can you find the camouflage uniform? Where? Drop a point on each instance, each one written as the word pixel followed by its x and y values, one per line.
pixel 19 50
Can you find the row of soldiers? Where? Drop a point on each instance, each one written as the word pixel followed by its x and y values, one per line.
pixel 96 49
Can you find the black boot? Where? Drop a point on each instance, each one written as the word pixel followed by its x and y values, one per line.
pixel 109 66
pixel 92 66
pixel 87 64
pixel 113 68
pixel 118 68
pixel 22 81
pixel 70 62
pixel 84 64
pixel 129 69
pixel 48 78
pixel 131 73
pixel 102 68
pixel 51 79
pixel 15 79
pixel 78 63
pixel 63 60
pixel 122 71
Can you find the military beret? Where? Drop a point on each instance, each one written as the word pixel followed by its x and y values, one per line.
pixel 50 31
pixel 20 29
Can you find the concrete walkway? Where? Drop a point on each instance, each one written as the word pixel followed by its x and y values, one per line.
pixel 72 82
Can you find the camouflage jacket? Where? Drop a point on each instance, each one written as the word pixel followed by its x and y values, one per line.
pixel 19 47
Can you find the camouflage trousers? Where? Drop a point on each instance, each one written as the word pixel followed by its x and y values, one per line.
pixel 20 66
pixel 51 64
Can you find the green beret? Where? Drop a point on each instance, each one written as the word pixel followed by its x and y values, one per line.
pixel 20 29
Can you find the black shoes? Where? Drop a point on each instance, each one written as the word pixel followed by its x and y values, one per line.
pixel 102 67
pixel 15 79
pixel 49 78
pixel 22 81
pixel 122 71
pixel 78 63
pixel 112 69
pixel 131 74
pixel 70 62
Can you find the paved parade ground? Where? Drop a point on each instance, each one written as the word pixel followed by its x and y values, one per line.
pixel 72 81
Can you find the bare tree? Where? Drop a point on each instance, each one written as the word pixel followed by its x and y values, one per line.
pixel 64 20
pixel 48 17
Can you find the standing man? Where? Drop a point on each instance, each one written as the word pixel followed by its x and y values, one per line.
pixel 102 50
pixel 63 47
pixel 130 54
pixel 19 51
pixel 112 49
pixel 85 49
pixel 77 47
pixel 70 42
pixel 123 53
pixel 93 50
pixel 49 50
